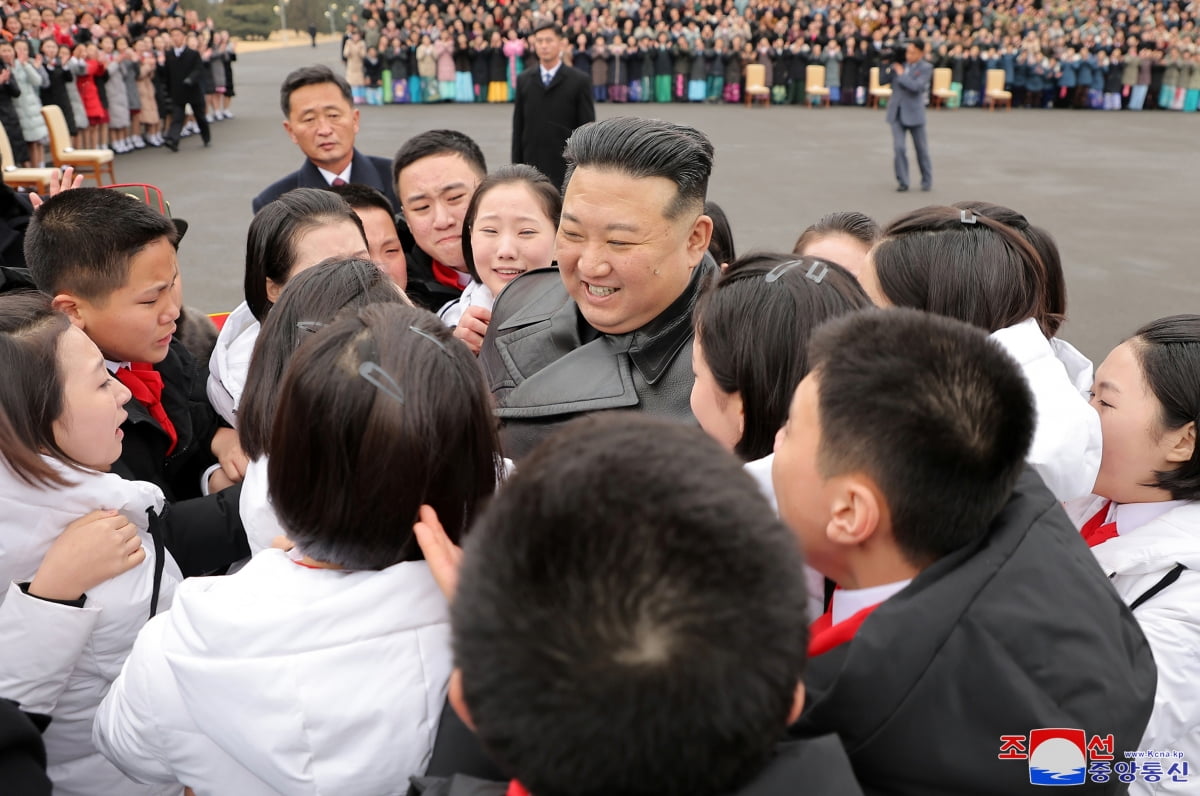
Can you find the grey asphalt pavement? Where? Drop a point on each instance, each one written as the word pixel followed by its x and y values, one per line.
pixel 1118 190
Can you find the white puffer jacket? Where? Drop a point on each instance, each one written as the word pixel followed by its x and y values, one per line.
pixel 230 362
pixel 285 679
pixel 60 660
pixel 1135 562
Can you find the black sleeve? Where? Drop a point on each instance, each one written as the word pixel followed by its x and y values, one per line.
pixel 457 750
pixel 78 603
pixel 205 535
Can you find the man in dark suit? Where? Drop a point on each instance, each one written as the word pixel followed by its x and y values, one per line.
pixel 552 100
pixel 182 65
pixel 321 119
pixel 906 112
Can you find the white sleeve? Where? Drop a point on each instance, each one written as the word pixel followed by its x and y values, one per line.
pixel 126 730
pixel 42 642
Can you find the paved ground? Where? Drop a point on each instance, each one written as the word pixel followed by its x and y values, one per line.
pixel 1117 189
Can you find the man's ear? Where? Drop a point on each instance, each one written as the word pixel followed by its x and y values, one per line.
pixel 699 238
pixel 287 127
pixel 456 698
pixel 1184 444
pixel 797 704
pixel 70 306
pixel 855 510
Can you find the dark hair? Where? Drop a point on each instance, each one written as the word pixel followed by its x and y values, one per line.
pixel 438 142
pixel 754 333
pixel 918 43
pixel 275 232
pixel 720 246
pixel 31 392
pixel 82 241
pixel 630 616
pixel 313 298
pixel 379 413
pixel 965 266
pixel 363 196
pixel 857 225
pixel 646 148
pixel 1054 307
pixel 537 183
pixel 313 75
pixel 941 419
pixel 1168 351
pixel 547 24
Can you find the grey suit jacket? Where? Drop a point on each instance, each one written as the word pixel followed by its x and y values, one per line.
pixel 909 93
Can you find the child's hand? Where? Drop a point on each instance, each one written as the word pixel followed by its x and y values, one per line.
pixel 91 550
pixel 472 327
pixel 229 453
pixel 59 182
pixel 443 556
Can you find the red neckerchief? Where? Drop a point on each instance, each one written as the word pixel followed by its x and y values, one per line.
pixel 446 275
pixel 516 789
pixel 1096 531
pixel 146 384
pixel 823 635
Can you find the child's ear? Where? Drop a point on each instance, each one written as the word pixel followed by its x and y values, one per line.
pixel 456 698
pixel 70 306
pixel 273 290
pixel 855 509
pixel 1184 444
pixel 797 704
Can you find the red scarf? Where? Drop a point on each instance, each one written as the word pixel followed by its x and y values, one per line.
pixel 146 384
pixel 516 789
pixel 824 635
pixel 446 275
pixel 1096 531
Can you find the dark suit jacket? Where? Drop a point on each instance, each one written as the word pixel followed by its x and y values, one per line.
pixel 909 92
pixel 545 116
pixel 183 75
pixel 364 170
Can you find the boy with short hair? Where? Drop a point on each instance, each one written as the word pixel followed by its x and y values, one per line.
pixel 109 263
pixel 630 619
pixel 968 605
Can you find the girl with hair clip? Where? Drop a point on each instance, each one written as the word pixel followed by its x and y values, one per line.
pixel 287 236
pixel 324 669
pixel 919 263
pixel 508 230
pixel 750 352
pixel 81 568
pixel 309 302
pixel 1143 520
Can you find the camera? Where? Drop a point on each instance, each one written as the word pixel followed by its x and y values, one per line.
pixel 894 52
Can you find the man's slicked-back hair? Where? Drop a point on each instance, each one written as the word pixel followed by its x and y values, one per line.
pixel 438 142
pixel 82 241
pixel 939 416
pixel 313 75
pixel 754 333
pixel 961 264
pixel 646 148
pixel 1168 351
pixel 630 616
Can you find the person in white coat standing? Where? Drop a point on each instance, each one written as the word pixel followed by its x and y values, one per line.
pixel 1143 523
pixel 323 669
pixel 82 572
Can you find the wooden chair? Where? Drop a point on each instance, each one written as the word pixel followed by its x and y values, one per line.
pixel 95 162
pixel 17 177
pixel 877 92
pixel 995 94
pixel 941 86
pixel 814 84
pixel 756 84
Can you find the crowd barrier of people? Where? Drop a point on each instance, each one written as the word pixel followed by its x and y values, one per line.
pixel 1111 56
pixel 107 69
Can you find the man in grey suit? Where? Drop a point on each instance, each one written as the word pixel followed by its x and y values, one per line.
pixel 906 112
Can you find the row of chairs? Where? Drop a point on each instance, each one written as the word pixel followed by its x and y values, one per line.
pixel 95 163
pixel 814 87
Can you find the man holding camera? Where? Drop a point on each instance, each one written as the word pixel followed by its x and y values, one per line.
pixel 906 111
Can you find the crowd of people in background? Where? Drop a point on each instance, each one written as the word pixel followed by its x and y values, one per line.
pixel 1115 54
pixel 105 67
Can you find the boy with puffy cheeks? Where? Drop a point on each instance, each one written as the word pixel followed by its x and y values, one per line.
pixel 110 264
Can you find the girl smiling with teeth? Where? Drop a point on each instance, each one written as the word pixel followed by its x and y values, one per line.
pixel 509 229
